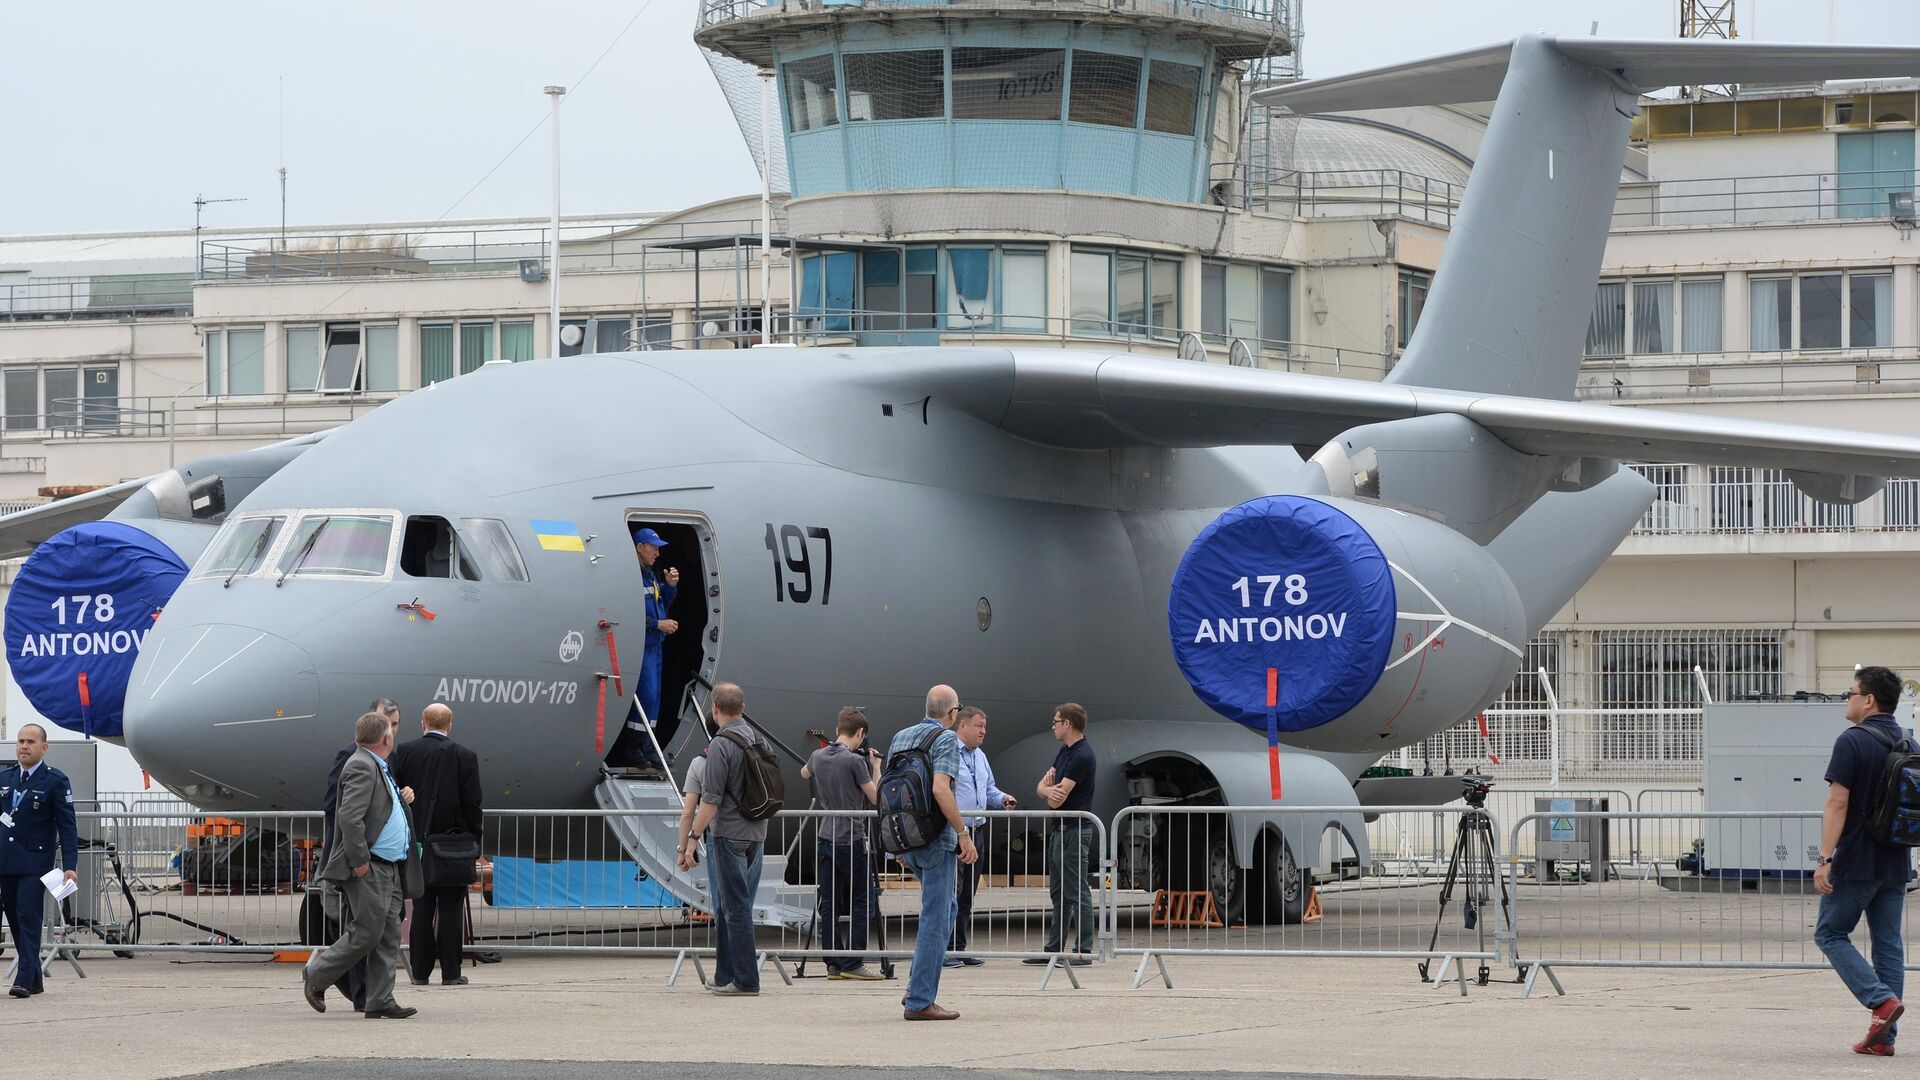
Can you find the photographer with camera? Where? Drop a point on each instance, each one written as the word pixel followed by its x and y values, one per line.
pixel 845 778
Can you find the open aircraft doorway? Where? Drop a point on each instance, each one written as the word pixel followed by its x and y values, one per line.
pixel 694 648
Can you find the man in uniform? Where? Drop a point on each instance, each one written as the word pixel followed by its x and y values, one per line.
pixel 659 588
pixel 36 809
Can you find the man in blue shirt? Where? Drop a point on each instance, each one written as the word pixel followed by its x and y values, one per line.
pixel 974 789
pixel 370 861
pixel 1857 873
pixel 36 810
pixel 934 864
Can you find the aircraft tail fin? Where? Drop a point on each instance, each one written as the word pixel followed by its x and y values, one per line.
pixel 1510 302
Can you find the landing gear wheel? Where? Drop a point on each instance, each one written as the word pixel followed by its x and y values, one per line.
pixel 1282 886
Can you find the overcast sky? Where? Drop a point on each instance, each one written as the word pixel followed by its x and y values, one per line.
pixel 121 111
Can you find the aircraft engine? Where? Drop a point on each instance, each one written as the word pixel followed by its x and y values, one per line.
pixel 80 608
pixel 1342 626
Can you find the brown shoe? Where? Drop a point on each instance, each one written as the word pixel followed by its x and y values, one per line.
pixel 931 1012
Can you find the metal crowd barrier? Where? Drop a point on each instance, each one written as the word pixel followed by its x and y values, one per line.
pixel 1739 894
pixel 1179 890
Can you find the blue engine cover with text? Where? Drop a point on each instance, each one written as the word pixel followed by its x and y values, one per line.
pixel 1288 583
pixel 83 603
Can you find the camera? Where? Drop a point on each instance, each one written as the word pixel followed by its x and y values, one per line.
pixel 1474 789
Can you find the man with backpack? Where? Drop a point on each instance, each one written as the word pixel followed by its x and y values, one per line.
pixel 1865 857
pixel 740 789
pixel 920 824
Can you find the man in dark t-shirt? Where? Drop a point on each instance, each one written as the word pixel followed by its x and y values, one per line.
pixel 1858 874
pixel 1069 786
pixel 844 779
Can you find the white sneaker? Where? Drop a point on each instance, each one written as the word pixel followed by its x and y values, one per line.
pixel 730 990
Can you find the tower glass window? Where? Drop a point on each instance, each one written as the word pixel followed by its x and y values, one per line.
pixel 907 85
pixel 811 89
pixel 1106 89
pixel 1007 84
pixel 1173 97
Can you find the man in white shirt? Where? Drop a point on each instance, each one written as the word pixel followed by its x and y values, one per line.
pixel 974 790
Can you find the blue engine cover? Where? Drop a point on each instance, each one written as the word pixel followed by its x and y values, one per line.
pixel 82 604
pixel 1284 583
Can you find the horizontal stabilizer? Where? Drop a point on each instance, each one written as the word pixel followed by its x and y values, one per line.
pixel 1476 74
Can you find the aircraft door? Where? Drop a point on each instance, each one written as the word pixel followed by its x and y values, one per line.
pixel 665 671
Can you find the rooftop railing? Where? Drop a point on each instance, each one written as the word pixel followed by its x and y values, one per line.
pixel 1338 193
pixel 103 297
pixel 1758 200
pixel 722 12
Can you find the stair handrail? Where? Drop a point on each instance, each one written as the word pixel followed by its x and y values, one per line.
pixel 755 725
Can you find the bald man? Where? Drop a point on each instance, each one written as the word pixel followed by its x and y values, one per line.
pixel 445 778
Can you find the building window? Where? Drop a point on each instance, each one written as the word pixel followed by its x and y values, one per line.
pixel 236 362
pixel 303 359
pixel 826 299
pixel 1901 504
pixel 1124 294
pixel 100 397
pixel 1007 84
pixel 1414 286
pixel 1646 306
pixel 895 85
pixel 381 373
pixel 436 353
pixel 1873 165
pixel 969 287
pixel 516 341
pixel 1023 289
pixel 22 391
pixel 1276 306
pixel 340 366
pixel 476 345
pixel 1650 672
pixel 1105 89
pixel 811 101
pixel 1518 723
pixel 1173 97
pixel 1092 292
pixel 63 398
pixel 1231 303
pixel 1825 310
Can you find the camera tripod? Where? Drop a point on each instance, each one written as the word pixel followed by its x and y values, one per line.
pixel 1472 865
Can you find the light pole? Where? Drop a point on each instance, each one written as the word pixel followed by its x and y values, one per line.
pixel 766 208
pixel 555 93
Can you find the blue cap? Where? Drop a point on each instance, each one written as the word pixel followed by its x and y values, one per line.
pixel 648 536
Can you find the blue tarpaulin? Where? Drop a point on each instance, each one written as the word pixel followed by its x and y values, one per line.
pixel 1288 584
pixel 575 883
pixel 81 606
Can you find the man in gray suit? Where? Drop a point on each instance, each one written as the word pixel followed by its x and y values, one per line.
pixel 369 862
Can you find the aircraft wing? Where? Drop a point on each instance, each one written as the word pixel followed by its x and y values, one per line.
pixel 1089 402
pixel 21 532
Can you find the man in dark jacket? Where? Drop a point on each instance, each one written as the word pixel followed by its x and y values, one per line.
pixel 36 819
pixel 1859 875
pixel 445 778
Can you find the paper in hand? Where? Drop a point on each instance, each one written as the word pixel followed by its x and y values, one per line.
pixel 56 882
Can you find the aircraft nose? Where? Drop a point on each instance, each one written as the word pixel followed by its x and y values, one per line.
pixel 218 712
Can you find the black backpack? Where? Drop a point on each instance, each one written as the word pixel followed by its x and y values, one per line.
pixel 763 792
pixel 909 817
pixel 1894 817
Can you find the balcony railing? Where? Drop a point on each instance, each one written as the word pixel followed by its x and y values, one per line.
pixel 1700 500
pixel 1337 193
pixel 1735 375
pixel 1757 200
pixel 501 250
pixel 102 297
pixel 1275 12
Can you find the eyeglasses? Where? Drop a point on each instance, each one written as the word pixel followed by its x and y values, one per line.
pixel 953 710
pixel 1058 721
pixel 1854 694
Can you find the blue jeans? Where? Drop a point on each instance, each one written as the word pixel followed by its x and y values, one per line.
pixel 845 884
pixel 934 866
pixel 1840 911
pixel 733 875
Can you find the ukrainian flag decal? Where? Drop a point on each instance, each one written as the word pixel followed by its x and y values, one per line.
pixel 558 535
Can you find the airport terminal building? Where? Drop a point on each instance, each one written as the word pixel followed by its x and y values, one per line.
pixel 1053 176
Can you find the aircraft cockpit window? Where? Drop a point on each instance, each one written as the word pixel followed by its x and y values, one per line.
pixel 241 547
pixel 347 544
pixel 491 544
pixel 430 549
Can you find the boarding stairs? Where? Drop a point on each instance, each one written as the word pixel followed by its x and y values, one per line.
pixel 650 841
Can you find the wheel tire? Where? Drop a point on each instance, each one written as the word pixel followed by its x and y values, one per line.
pixel 1281 886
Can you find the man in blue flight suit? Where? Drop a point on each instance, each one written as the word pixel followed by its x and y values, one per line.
pixel 660 588
pixel 36 810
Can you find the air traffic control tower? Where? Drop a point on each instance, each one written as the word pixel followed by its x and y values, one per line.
pixel 1013 166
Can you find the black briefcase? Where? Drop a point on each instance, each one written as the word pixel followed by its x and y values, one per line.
pixel 451 859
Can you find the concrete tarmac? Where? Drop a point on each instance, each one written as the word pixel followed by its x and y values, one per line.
pixel 568 1017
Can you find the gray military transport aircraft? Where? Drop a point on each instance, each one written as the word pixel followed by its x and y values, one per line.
pixel 853 525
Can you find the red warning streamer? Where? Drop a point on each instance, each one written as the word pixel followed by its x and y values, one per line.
pixel 1487 738
pixel 613 658
pixel 86 707
pixel 1273 729
pixel 600 719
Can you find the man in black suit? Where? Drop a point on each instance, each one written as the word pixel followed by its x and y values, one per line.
pixel 445 778
pixel 352 985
